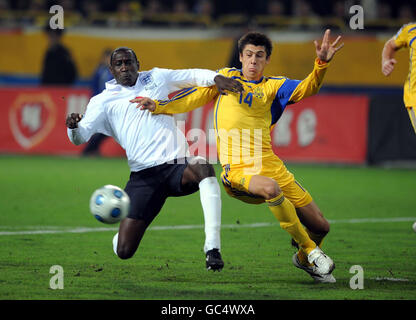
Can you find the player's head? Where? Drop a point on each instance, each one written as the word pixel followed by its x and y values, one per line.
pixel 124 66
pixel 255 49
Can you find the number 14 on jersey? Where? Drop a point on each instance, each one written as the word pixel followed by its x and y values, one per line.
pixel 248 100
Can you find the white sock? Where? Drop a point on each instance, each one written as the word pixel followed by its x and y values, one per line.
pixel 115 242
pixel 210 193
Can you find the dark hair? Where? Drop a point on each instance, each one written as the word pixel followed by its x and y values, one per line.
pixel 124 49
pixel 256 39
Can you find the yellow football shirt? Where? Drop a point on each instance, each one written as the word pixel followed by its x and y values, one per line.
pixel 405 38
pixel 243 122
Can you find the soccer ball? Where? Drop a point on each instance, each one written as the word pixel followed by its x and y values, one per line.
pixel 109 204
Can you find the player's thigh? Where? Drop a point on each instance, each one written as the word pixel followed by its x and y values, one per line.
pixel 181 179
pixel 147 194
pixel 194 172
pixel 236 184
pixel 264 187
pixel 412 116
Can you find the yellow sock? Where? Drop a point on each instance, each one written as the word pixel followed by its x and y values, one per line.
pixel 285 212
pixel 318 239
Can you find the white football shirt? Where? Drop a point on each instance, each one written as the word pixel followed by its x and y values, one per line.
pixel 149 140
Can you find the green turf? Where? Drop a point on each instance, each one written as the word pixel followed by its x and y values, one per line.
pixel 51 192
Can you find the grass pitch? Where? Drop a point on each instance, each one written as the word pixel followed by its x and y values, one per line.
pixel 44 205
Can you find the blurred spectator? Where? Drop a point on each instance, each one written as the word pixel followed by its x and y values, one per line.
pixel 4 5
pixel 58 66
pixel 273 16
pixel 153 7
pixel 384 11
pixel 123 17
pixel 228 13
pixel 306 19
pixel 37 5
pixel 72 15
pixel 204 8
pixel 370 8
pixel 35 10
pixel 275 8
pixel 101 75
pixel 382 18
pixel 68 5
pixel 406 13
pixel 340 12
pixel 153 11
pixel 90 9
pixel 21 5
pixel 180 7
pixel 184 17
pixel 302 9
pixel 6 19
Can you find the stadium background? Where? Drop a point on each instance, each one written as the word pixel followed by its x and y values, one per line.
pixel 202 34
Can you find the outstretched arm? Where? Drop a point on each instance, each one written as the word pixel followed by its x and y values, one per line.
pixel 184 101
pixel 80 128
pixel 387 57
pixel 326 50
pixel 72 120
pixel 185 78
pixel 313 82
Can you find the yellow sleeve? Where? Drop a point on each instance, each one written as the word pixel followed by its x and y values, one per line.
pixel 312 83
pixel 401 37
pixel 186 100
pixel 225 71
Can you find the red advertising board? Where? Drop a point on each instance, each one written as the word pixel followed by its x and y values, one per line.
pixel 323 128
pixel 35 119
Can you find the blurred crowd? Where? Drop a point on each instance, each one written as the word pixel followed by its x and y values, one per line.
pixel 278 14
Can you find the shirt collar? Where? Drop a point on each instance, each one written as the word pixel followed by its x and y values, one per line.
pixel 249 81
pixel 112 85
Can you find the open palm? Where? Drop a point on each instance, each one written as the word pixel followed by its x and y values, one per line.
pixel 326 50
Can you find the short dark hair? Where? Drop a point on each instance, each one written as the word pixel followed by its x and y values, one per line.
pixel 124 49
pixel 256 39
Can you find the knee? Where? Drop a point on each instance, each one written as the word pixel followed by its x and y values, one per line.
pixel 323 227
pixel 271 190
pixel 125 253
pixel 207 170
pixel 200 171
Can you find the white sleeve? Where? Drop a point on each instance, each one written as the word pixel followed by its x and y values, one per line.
pixel 185 78
pixel 93 121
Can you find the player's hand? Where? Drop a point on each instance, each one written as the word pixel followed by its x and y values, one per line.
pixel 224 83
pixel 388 66
pixel 144 103
pixel 326 50
pixel 72 120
